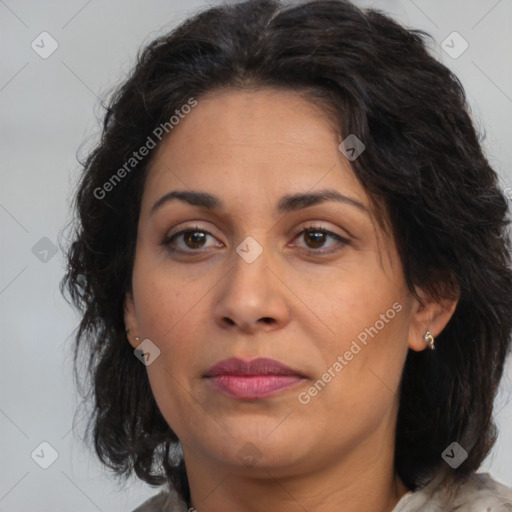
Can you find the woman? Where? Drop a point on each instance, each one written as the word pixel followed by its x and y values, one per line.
pixel 293 270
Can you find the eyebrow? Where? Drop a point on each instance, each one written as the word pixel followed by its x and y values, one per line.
pixel 286 204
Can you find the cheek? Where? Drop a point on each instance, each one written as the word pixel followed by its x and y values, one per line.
pixel 358 302
pixel 172 311
pixel 170 315
pixel 368 318
pixel 163 300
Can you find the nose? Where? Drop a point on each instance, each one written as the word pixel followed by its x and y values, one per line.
pixel 252 297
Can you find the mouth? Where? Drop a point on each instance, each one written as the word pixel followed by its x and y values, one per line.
pixel 255 367
pixel 253 386
pixel 259 378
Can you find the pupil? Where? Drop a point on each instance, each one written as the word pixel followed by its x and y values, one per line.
pixel 314 238
pixel 195 237
pixel 317 237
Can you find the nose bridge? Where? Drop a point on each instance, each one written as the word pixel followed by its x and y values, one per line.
pixel 250 274
pixel 250 292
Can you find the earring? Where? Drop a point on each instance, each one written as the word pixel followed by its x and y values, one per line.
pixel 128 331
pixel 430 340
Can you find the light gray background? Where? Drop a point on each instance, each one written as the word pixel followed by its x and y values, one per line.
pixel 48 109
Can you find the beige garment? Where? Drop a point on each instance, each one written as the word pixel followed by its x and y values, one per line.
pixel 478 493
pixel 163 502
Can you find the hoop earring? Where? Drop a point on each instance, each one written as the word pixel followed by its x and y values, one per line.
pixel 430 340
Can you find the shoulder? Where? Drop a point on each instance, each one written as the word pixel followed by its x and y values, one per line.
pixel 478 492
pixel 165 501
pixel 481 490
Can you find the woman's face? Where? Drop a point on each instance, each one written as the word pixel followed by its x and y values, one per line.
pixel 312 283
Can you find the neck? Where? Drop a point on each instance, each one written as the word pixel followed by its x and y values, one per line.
pixel 357 479
pixel 387 504
pixel 362 499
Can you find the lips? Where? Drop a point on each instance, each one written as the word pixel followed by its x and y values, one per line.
pixel 259 378
pixel 260 366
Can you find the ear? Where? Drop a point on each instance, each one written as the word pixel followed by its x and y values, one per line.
pixel 130 321
pixel 429 315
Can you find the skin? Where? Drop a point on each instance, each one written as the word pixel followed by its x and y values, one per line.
pixel 292 304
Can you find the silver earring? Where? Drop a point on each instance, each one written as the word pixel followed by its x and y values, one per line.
pixel 137 338
pixel 430 340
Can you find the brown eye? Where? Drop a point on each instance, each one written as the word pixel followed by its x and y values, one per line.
pixel 194 239
pixel 315 239
pixel 190 240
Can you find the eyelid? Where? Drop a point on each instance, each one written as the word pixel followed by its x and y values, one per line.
pixel 168 237
pixel 318 226
pixel 310 226
pixel 342 241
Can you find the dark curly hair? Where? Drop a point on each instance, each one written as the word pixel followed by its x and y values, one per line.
pixel 423 168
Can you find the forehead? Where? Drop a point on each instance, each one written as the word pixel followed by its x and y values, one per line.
pixel 267 139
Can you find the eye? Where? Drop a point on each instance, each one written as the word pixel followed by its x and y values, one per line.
pixel 316 236
pixel 192 240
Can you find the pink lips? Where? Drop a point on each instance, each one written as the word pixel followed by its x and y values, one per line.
pixel 258 378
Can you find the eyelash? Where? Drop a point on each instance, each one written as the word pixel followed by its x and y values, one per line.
pixel 168 240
